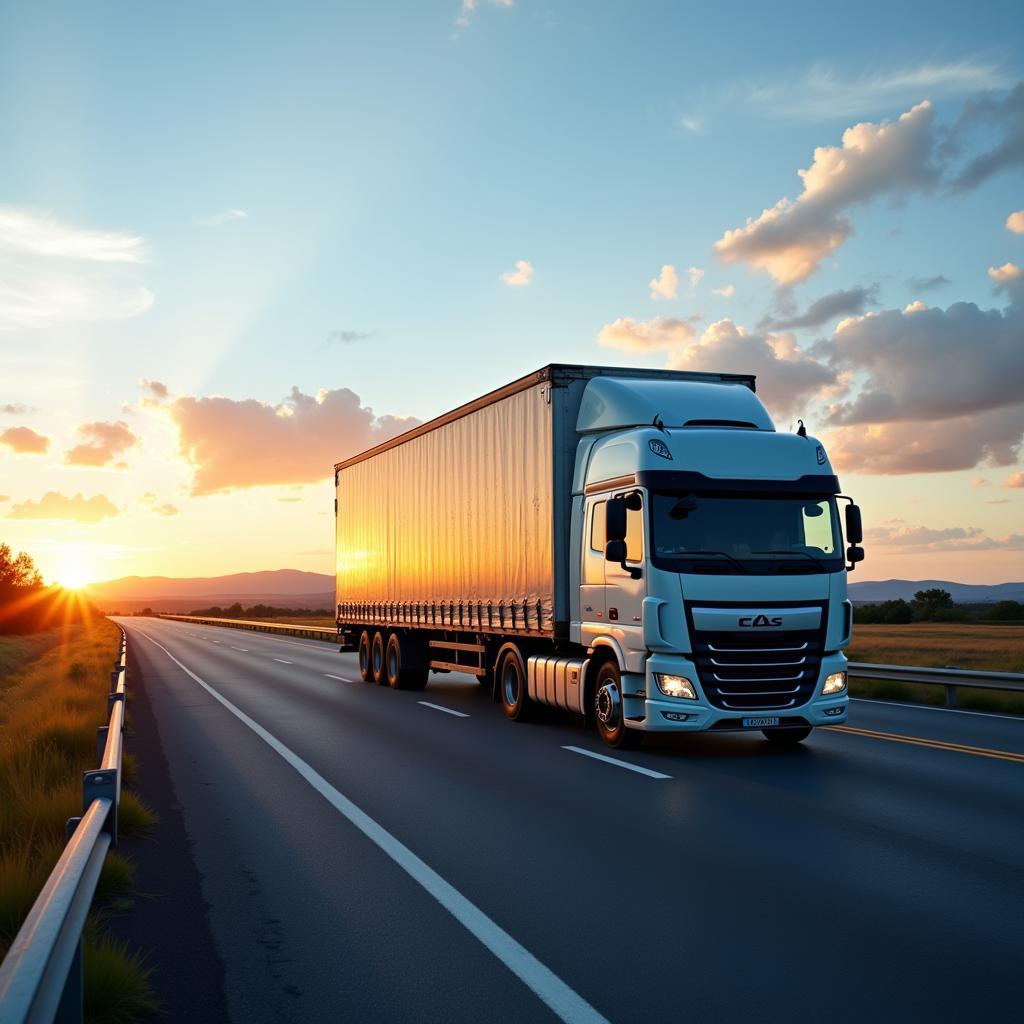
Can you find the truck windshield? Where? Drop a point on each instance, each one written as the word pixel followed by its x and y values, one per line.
pixel 766 534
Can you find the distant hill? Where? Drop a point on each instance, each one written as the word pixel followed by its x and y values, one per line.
pixel 291 588
pixel 963 593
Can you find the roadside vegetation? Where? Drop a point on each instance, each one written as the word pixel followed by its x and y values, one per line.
pixel 54 682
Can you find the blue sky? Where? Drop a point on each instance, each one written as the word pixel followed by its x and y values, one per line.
pixel 298 174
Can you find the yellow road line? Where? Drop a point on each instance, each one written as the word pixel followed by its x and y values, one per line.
pixel 959 748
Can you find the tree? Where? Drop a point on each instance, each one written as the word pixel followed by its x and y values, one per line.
pixel 1006 611
pixel 929 603
pixel 17 571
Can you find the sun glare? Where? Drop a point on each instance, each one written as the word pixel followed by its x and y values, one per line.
pixel 73 575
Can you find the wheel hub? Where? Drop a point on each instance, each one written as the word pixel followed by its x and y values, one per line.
pixel 608 705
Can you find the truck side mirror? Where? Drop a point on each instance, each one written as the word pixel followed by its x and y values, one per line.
pixel 615 520
pixel 854 527
pixel 615 551
pixel 854 554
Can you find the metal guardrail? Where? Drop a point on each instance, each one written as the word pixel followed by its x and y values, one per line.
pixel 41 976
pixel 950 678
pixel 287 628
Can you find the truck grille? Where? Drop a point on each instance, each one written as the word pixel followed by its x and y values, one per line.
pixel 740 672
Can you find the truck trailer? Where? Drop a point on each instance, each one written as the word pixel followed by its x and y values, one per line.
pixel 638 546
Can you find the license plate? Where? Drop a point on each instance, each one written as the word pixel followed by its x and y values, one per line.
pixel 760 723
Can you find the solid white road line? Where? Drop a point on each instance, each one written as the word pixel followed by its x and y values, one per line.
pixel 618 764
pixel 341 679
pixel 283 662
pixel 567 1004
pixel 437 707
pixel 935 707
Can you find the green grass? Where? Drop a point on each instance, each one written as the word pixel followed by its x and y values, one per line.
pixel 52 699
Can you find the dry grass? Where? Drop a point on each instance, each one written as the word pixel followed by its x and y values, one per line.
pixel 966 645
pixel 304 620
pixel 53 698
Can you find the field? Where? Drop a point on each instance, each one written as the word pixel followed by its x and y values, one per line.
pixel 53 691
pixel 935 644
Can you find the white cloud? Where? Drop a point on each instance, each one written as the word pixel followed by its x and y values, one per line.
pixel 917 306
pixel 54 505
pixel 790 239
pixel 1006 275
pixel 1015 222
pixel 468 9
pixel 1015 479
pixel 665 284
pixel 224 217
pixel 51 272
pixel 694 275
pixel 520 277
pixel 43 235
pixel 727 292
pixel 692 123
pixel 657 335
pixel 822 91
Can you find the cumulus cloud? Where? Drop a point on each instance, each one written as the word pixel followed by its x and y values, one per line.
pixel 787 376
pixel 831 307
pixel 1015 222
pixel 53 505
pixel 693 276
pixel 822 91
pixel 228 216
pixel 959 443
pixel 657 335
pixel 102 443
pixel 665 284
pixel 1006 116
pixel 43 235
pixel 520 277
pixel 932 364
pixel 727 292
pixel 1008 277
pixel 790 239
pixel 955 538
pixel 17 408
pixel 155 387
pixel 24 441
pixel 1015 479
pixel 237 444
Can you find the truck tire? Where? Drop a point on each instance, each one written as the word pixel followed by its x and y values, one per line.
pixel 365 670
pixel 608 717
pixel 377 659
pixel 511 677
pixel 403 668
pixel 786 737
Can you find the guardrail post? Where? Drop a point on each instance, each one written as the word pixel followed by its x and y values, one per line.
pixel 71 1008
pixel 950 696
pixel 101 742
pixel 112 698
pixel 98 784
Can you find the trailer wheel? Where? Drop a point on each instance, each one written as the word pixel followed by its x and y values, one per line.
pixel 377 660
pixel 786 737
pixel 403 669
pixel 512 684
pixel 365 667
pixel 611 725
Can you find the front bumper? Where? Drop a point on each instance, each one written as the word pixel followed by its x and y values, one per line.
pixel 662 714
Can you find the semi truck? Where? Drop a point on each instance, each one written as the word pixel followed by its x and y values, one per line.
pixel 641 547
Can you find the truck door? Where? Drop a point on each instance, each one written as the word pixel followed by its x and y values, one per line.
pixel 592 586
pixel 624 595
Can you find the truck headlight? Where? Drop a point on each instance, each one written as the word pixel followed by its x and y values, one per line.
pixel 834 683
pixel 675 686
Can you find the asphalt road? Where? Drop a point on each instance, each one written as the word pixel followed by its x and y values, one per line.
pixel 368 854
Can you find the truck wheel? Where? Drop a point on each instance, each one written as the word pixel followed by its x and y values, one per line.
pixel 403 670
pixel 611 725
pixel 512 684
pixel 786 737
pixel 377 660
pixel 365 669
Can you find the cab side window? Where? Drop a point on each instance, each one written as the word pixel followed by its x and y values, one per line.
pixel 597 540
pixel 635 534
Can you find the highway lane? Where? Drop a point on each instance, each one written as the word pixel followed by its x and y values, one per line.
pixel 854 876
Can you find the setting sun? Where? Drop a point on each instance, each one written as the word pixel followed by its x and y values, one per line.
pixel 73 575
